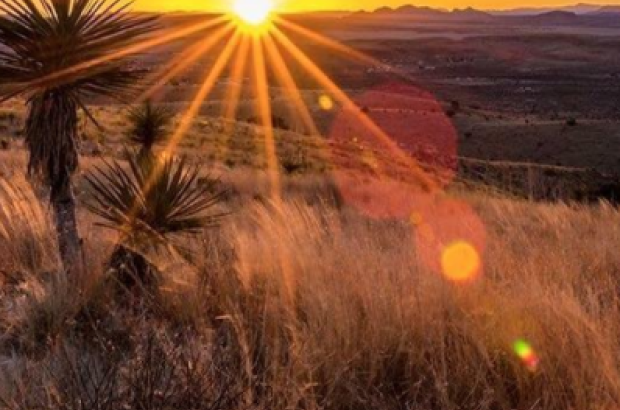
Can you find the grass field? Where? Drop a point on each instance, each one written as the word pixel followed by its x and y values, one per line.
pixel 344 294
pixel 311 303
pixel 284 223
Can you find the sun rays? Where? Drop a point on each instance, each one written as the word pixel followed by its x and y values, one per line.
pixel 253 47
pixel 257 45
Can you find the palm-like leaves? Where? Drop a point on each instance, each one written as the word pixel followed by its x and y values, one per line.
pixel 149 124
pixel 48 44
pixel 153 204
pixel 55 53
pixel 46 50
pixel 153 207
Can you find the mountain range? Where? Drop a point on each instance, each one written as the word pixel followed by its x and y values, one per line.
pixel 588 14
pixel 579 9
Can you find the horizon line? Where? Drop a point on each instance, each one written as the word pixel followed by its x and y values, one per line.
pixel 354 10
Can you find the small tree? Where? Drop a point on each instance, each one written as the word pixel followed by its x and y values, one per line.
pixel 149 126
pixel 152 208
pixel 47 49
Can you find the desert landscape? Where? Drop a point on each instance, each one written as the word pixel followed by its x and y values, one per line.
pixel 403 208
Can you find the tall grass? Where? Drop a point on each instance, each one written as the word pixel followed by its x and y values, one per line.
pixel 307 305
pixel 342 306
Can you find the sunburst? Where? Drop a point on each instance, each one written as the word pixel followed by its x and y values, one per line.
pixel 253 12
pixel 255 42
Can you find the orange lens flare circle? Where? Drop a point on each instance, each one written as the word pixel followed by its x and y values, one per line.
pixel 450 238
pixel 460 261
pixel 326 103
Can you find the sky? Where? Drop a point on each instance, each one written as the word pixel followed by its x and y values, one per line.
pixel 306 5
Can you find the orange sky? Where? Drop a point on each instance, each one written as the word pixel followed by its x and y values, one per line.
pixel 297 5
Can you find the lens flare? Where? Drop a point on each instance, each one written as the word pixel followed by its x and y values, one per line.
pixel 524 351
pixel 450 238
pixel 400 143
pixel 416 219
pixel 460 261
pixel 326 103
pixel 253 12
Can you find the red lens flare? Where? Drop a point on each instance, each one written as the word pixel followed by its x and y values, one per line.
pixel 370 174
pixel 526 353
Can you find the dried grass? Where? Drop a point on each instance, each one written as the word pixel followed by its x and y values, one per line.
pixel 308 304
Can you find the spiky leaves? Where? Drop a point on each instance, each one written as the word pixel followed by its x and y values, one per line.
pixel 46 52
pixel 153 205
pixel 46 49
pixel 178 201
pixel 149 125
pixel 50 43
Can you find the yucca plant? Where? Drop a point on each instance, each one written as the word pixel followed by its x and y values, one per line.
pixel 46 52
pixel 152 208
pixel 149 125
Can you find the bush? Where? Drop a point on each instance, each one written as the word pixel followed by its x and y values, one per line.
pixel 295 163
pixel 313 307
pixel 160 372
pixel 154 204
pixel 276 122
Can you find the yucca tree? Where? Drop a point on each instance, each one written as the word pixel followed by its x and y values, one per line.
pixel 46 50
pixel 148 126
pixel 153 207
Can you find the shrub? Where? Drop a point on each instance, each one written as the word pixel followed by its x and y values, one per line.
pixel 159 372
pixel 148 125
pixel 153 205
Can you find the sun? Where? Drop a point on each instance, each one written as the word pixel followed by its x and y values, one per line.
pixel 253 12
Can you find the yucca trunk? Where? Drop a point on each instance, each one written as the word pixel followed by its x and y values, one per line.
pixel 63 204
pixel 52 140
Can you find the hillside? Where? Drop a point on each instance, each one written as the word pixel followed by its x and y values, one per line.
pixel 408 209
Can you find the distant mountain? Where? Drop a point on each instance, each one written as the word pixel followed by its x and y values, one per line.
pixel 381 10
pixel 581 8
pixel 556 17
pixel 411 10
pixel 609 9
pixel 606 11
pixel 582 14
pixel 432 13
pixel 471 13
